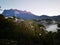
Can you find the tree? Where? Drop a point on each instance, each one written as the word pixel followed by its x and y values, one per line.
pixel 6 27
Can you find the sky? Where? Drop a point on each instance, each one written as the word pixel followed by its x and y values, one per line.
pixel 38 7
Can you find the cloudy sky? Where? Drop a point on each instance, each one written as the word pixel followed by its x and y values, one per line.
pixel 38 7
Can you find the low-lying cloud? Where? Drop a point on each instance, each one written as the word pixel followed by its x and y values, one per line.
pixel 52 27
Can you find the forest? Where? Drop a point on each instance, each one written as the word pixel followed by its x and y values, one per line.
pixel 26 32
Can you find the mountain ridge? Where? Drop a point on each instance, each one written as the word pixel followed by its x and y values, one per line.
pixel 27 15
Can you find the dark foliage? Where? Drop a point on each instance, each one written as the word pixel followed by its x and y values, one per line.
pixel 12 33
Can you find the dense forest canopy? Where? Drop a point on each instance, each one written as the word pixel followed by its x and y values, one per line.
pixel 26 32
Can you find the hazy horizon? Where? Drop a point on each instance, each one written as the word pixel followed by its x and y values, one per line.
pixel 37 7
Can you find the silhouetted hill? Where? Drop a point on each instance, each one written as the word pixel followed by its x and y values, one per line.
pixel 44 17
pixel 56 17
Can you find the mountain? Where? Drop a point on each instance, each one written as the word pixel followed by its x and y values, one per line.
pixel 44 17
pixel 19 14
pixel 56 17
pixel 27 15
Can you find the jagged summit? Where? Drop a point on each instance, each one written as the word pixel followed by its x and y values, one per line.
pixel 19 14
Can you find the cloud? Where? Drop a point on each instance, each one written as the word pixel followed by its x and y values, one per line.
pixel 52 28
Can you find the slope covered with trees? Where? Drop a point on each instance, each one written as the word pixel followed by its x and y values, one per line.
pixel 25 32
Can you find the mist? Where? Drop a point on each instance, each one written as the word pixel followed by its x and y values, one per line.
pixel 52 27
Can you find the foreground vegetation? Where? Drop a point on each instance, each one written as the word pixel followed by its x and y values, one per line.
pixel 25 33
